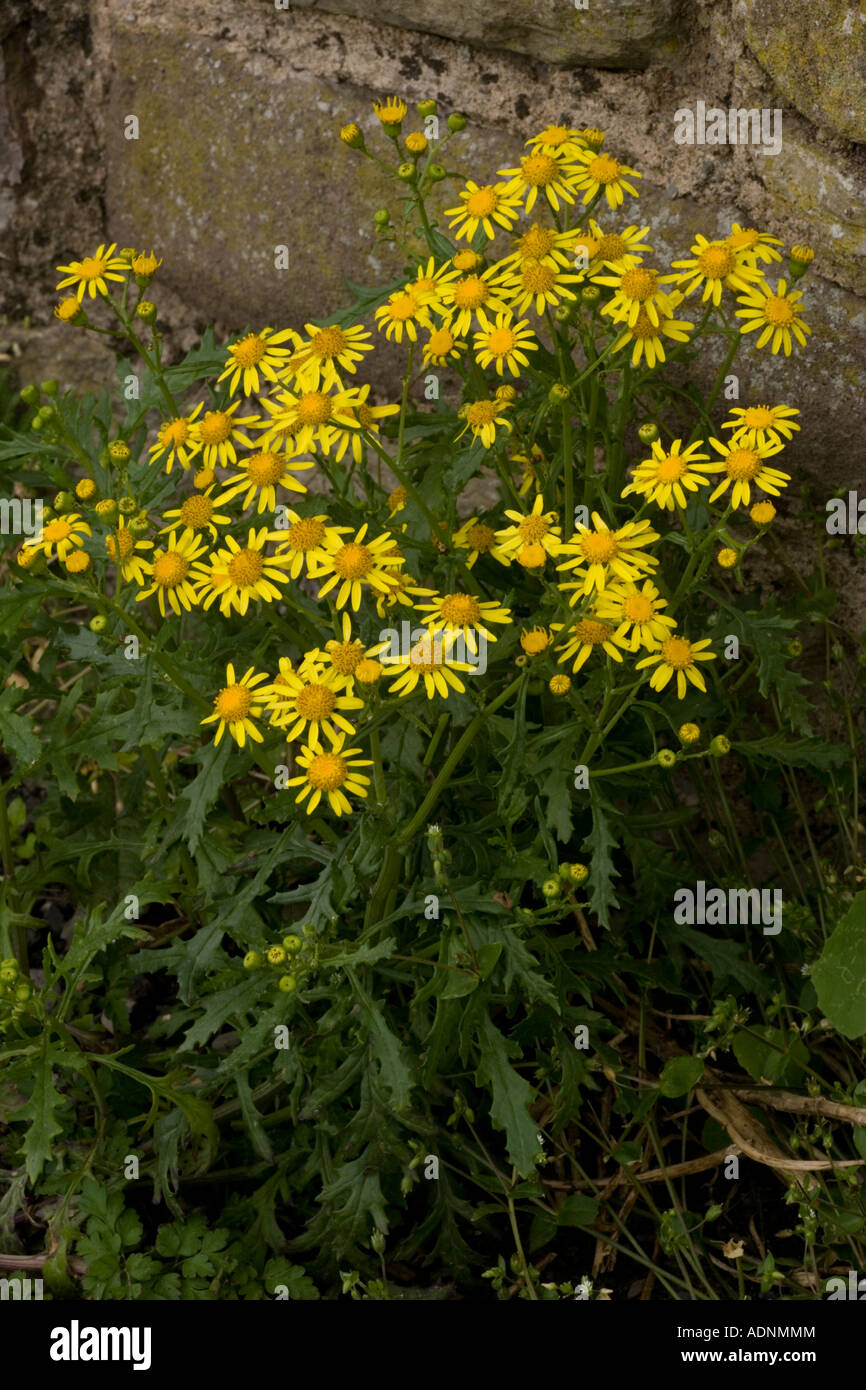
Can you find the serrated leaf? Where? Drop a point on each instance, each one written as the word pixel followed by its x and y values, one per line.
pixel 598 845
pixel 840 975
pixel 511 1098
pixel 387 1051
pixel 198 798
pixel 39 1109
pixel 16 731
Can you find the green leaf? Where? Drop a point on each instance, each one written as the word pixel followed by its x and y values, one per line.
pixel 840 975
pixel 387 1051
pixel 198 798
pixel 39 1109
pixel 578 1210
pixel 16 730
pixel 598 844
pixel 802 752
pixel 512 1096
pixel 774 1056
pixel 680 1075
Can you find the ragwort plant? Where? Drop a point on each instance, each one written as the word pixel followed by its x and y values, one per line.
pixel 355 751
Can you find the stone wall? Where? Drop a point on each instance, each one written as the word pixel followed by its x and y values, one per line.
pixel 239 105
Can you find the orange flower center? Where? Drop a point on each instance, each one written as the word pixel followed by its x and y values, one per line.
pixel 716 261
pixel 480 537
pixel 174 432
pixel 758 417
pixel 638 608
pixel 196 512
pixel 671 469
pixel 599 547
pixel 121 543
pixel 481 202
pixel 481 413
pixel 249 350
pixel 403 307
pixel 743 464
pixel 328 342
pixel 470 293
pixel 57 530
pixel 345 656
pixel 501 342
pixel 539 169
pixel 778 311
pixel 460 609
pixel 327 772
pixel 169 569
pixel 604 169
pixel 638 283
pixel 92 267
pixel 441 342
pixel 233 703
pixel 592 633
pixel 314 408
pixel 307 534
pixel 353 561
pixel 612 246
pixel 216 427
pixel 537 278
pixel 264 469
pixel 677 652
pixel 533 529
pixel 537 242
pixel 315 702
pixel 245 568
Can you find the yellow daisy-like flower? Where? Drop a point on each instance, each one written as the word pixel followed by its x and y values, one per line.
pixel 558 140
pixel 145 263
pixel 538 284
pixel 197 513
pixel 482 207
pixel 602 173
pixel 343 656
pixel 536 640
pixel 466 260
pixel 637 613
pixel 716 266
pixel 616 250
pixel 402 313
pixel 600 554
pixel 777 314
pixel 677 657
pixel 537 528
pixel 179 440
pixel 68 310
pixel 59 536
pixel 428 660
pixel 762 513
pixel 756 246
pixel 482 417
pixel 203 478
pixel 309 701
pixel 333 773
pixel 544 244
pixel 365 417
pixel 637 290
pixel 237 574
pixel 257 352
pixel 464 615
pixel 585 637
pixel 260 475
pixel 316 361
pixel 442 347
pixel 76 562
pixel 391 111
pixel 742 467
pixel 308 419
pixel 359 564
pixel 429 283
pixel 645 337
pixel 505 344
pixel 237 705
pixel 538 172
pixel 670 473
pixel 416 143
pixel 727 558
pixel 404 590
pixel 122 547
pixel 762 424
pixel 473 294
pixel 218 431
pixel 168 574
pixel 689 733
pixel 93 273
pixel 307 542
pixel 479 539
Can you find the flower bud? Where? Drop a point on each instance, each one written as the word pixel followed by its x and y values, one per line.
pixel 689 733
pixel 63 502
pixel 437 172
pixel 146 310
pixel 50 387
pixel 353 136
pixel 127 506
pixel 118 452
pixel 381 217
pixel 564 312
pixel 457 121
pixel 551 888
pixel 427 108
pixel 406 172
pixel 288 984
pixel 253 960
pixel 590 294
pixel 578 873
pixel 648 432
pixel 720 746
pixel 276 955
pixel 666 757
pixel 29 394
pixel 292 942
pixel 558 393
pixel 139 526
pixel 86 490
pixel 98 623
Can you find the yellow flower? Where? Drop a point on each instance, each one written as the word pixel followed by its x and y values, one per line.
pixel 742 467
pixel 616 250
pixel 441 347
pixel 679 658
pixel 466 260
pixel 429 659
pixel 559 685
pixel 689 733
pixel 179 439
pixel 637 290
pixel 717 266
pixel 482 207
pixel 646 337
pixel 535 641
pixel 762 513
pixel 342 657
pixel 482 417
pixel 237 705
pixel 584 638
pixel 479 539
pixel 544 172
pixel 145 263
pixel 603 172
pixel 637 613
pixel 307 541
pixel 257 352
pixel 77 561
pixel 368 671
pixel 60 536
pixel 666 476
pixel 308 419
pixel 727 558
pixel 397 500
pixel 93 273
pixel 416 142
pixel 391 111
pixel 537 528
pixel 404 590
pixel 316 361
pixel 169 573
pixel 196 513
pixel 359 564
pixel 237 574
pixel 505 344
pixel 464 615
pixel 472 294
pixel 429 283
pixel 309 701
pixel 218 430
pixel 122 547
pixel 403 312
pixel 544 244
pixel 600 554
pixel 778 315
pixel 261 474
pixel 762 424
pixel 85 489
pixel 332 772
pixel 756 246
pixel 558 140
pixel 537 284
pixel 364 417
pixel 68 310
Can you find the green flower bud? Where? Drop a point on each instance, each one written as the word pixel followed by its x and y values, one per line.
pixel 276 955
pixel 377 1240
pixel 406 172
pixel 457 121
pixel 427 108
pixel 23 992
pixel 437 172
pixel 666 757
pixel 50 387
pixel 98 623
pixel 253 960
pixel 308 929
pixel 716 840
pixel 9 973
pixel 590 294
pixel 648 433
pixel 139 526
pixel 795 648
pixel 146 310
pixel 381 217
pixel 564 312
pixel 578 873
pixel 551 888
pixel 292 942
pixel 127 506
pixel 558 393
pixel 720 746
pixel 288 984
pixel 64 502
pixel 29 394
pixel 118 452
